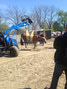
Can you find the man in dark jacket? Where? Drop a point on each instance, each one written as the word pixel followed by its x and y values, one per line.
pixel 60 57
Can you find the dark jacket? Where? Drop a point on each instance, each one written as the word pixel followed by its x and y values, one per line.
pixel 60 44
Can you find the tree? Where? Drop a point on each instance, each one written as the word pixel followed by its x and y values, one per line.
pixel 49 15
pixel 1 16
pixel 57 26
pixel 13 15
pixel 62 18
pixel 34 19
pixel 3 27
pixel 45 16
pixel 37 15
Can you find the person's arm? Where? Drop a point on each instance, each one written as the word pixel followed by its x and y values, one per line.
pixel 58 42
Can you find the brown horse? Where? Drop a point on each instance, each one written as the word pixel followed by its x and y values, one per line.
pixel 35 39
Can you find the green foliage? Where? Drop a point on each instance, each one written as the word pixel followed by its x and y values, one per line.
pixel 57 26
pixel 3 27
pixel 62 18
pixel 61 13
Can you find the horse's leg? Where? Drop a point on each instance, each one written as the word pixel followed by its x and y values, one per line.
pixel 34 45
pixel 25 45
pixel 43 43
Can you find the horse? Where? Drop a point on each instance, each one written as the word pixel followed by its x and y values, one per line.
pixel 33 39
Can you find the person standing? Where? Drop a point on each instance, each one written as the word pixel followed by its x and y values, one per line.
pixel 60 58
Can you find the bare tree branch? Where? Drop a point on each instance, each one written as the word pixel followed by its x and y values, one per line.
pixel 1 16
pixel 13 15
pixel 49 15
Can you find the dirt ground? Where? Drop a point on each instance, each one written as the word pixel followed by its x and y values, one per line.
pixel 33 68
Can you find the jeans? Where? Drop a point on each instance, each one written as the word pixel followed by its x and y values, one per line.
pixel 57 73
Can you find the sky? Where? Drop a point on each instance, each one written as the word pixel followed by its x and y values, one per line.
pixel 28 5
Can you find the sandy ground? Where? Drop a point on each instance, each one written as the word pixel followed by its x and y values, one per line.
pixel 33 68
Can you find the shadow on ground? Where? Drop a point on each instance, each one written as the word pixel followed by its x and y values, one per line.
pixel 30 49
pixel 5 55
pixel 49 48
